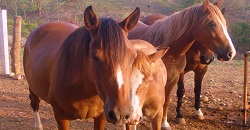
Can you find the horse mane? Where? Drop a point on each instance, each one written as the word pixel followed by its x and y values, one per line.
pixel 75 49
pixel 73 55
pixel 163 32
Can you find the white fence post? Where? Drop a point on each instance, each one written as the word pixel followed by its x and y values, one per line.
pixel 4 53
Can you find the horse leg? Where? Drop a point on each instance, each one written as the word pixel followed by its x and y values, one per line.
pixel 34 103
pixel 180 92
pixel 62 122
pixel 156 121
pixel 168 89
pixel 99 122
pixel 197 90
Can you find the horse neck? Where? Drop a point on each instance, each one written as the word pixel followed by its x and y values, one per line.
pixel 180 46
pixel 174 31
pixel 139 31
pixel 74 55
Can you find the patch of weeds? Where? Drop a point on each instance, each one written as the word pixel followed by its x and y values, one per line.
pixel 239 63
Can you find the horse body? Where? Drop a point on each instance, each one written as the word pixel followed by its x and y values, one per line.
pixel 198 58
pixel 203 23
pixel 46 83
pixel 79 72
pixel 35 47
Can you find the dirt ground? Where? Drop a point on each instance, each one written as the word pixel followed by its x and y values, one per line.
pixel 223 85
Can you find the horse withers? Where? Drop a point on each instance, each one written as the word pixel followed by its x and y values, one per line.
pixel 203 23
pixel 89 72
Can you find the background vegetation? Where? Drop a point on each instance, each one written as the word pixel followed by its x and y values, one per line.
pixel 36 12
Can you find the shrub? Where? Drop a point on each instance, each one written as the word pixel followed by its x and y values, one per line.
pixel 26 28
pixel 241 33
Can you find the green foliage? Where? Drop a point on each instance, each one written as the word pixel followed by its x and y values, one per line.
pixel 10 23
pixel 239 63
pixel 187 3
pixel 241 33
pixel 18 6
pixel 27 27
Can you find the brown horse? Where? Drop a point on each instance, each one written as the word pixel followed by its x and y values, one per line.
pixel 198 58
pixel 80 71
pixel 204 23
pixel 149 95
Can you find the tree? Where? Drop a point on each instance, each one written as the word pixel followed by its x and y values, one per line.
pixel 241 33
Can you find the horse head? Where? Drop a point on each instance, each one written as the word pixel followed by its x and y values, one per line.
pixel 112 57
pixel 211 30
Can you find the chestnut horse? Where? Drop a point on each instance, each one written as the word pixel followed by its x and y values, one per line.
pixel 204 23
pixel 198 58
pixel 80 71
pixel 149 95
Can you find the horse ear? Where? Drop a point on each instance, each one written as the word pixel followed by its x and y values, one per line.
pixel 90 18
pixel 218 3
pixel 223 10
pixel 158 54
pixel 205 5
pixel 130 22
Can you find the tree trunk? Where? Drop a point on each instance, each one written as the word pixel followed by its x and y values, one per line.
pixel 39 8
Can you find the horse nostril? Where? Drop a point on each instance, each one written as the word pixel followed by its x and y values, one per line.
pixel 112 115
pixel 229 54
pixel 140 119
pixel 212 59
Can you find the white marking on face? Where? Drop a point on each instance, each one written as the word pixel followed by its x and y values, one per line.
pixel 136 79
pixel 119 77
pixel 228 38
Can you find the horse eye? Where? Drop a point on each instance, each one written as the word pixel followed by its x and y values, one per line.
pixel 95 58
pixel 212 24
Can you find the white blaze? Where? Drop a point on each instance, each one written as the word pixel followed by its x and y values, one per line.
pixel 136 79
pixel 119 77
pixel 228 38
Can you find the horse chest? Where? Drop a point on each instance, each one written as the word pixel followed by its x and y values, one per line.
pixel 86 108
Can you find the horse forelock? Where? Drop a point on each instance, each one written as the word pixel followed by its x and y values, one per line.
pixel 112 42
pixel 165 31
pixel 143 64
pixel 214 10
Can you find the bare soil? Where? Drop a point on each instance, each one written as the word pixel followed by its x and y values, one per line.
pixel 222 84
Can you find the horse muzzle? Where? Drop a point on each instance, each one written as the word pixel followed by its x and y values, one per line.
pixel 206 60
pixel 119 115
pixel 227 57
